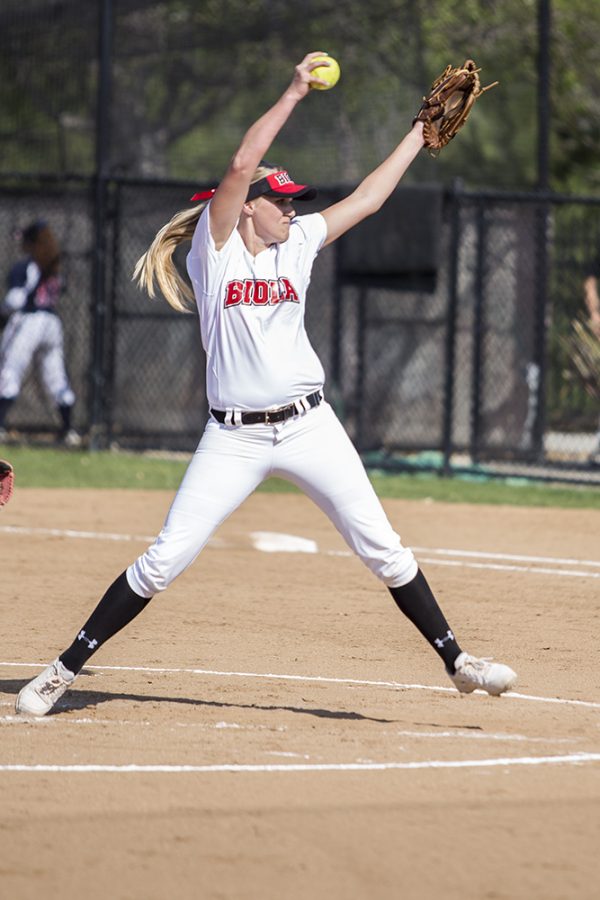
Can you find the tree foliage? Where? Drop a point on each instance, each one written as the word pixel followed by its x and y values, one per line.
pixel 189 77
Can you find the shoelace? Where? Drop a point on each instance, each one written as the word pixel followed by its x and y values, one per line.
pixel 477 666
pixel 479 662
pixel 51 686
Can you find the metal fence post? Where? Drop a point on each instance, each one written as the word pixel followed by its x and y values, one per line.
pixel 478 332
pixel 542 217
pixel 540 343
pixel 101 187
pixel 450 354
pixel 111 318
pixel 544 24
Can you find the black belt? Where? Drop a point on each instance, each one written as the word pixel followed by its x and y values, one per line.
pixel 271 416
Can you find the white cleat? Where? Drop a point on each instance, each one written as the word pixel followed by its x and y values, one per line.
pixel 72 439
pixel 39 696
pixel 472 673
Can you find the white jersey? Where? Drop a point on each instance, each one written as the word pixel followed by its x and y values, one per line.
pixel 258 354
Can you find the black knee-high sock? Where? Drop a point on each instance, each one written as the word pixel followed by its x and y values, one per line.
pixel 417 602
pixel 65 414
pixel 5 405
pixel 118 607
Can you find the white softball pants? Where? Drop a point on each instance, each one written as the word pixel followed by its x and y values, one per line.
pixel 311 450
pixel 34 334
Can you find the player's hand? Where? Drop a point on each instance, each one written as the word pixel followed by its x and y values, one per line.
pixel 595 324
pixel 7 480
pixel 303 77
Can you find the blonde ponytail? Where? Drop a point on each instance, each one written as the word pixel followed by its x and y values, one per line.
pixel 156 267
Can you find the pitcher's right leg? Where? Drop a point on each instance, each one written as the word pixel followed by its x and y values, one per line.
pixel 227 466
pixel 319 457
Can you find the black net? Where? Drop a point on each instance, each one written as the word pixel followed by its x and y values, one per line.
pixel 48 86
pixel 180 81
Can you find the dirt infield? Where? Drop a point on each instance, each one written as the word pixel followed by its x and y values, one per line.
pixel 272 727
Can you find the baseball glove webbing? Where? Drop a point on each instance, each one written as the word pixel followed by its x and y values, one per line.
pixel 446 108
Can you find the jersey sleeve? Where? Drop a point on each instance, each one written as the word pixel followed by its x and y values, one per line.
pixel 22 280
pixel 206 264
pixel 310 234
pixel 17 277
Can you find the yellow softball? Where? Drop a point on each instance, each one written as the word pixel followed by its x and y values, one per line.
pixel 330 73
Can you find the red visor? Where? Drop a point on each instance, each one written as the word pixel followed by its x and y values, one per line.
pixel 278 183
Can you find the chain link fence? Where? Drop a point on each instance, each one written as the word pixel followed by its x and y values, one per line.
pixel 173 84
pixel 444 337
pixel 519 398
pixel 463 363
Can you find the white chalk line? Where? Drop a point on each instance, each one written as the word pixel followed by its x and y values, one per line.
pixel 480 736
pixel 500 567
pixel 570 759
pixel 567 561
pixel 512 695
pixel 275 542
pixel 56 721
pixel 557 560
pixel 69 533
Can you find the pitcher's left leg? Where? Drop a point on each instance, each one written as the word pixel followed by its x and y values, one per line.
pixel 319 457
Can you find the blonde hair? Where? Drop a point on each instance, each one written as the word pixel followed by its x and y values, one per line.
pixel 156 267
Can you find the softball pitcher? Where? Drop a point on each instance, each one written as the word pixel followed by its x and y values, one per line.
pixel 249 266
pixel 34 330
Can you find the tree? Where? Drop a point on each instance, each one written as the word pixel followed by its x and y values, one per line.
pixel 189 77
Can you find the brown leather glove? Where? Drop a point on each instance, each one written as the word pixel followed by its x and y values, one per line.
pixel 445 109
pixel 7 480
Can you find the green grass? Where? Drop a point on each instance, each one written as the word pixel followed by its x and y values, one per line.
pixel 54 468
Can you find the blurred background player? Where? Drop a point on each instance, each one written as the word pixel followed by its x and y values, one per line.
pixel 592 302
pixel 34 330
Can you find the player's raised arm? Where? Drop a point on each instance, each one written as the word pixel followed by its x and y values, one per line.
pixel 592 302
pixel 375 189
pixel 230 195
pixel 442 114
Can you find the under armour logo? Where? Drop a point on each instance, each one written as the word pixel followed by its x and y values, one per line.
pixel 439 642
pixel 83 637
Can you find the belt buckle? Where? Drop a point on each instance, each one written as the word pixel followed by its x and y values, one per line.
pixel 282 413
